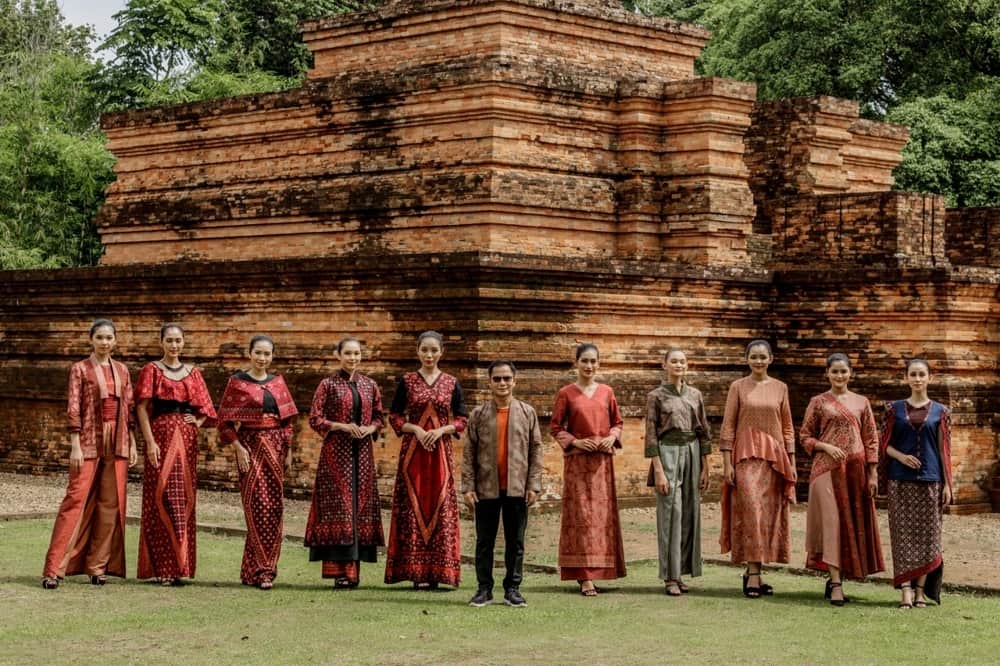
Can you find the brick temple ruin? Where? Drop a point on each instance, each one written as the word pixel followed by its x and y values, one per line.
pixel 520 175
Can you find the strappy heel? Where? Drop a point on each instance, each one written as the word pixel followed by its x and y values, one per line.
pixel 902 604
pixel 918 603
pixel 835 602
pixel 50 583
pixel 828 593
pixel 98 580
pixel 753 592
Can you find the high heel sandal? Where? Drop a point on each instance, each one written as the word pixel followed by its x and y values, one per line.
pixel 98 580
pixel 828 593
pixel 835 602
pixel 751 592
pixel 902 604
pixel 918 603
pixel 50 583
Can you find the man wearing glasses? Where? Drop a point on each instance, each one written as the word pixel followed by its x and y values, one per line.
pixel 501 476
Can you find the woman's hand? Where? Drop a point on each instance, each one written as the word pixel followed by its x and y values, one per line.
pixel 471 499
pixel 431 437
pixel 703 478
pixel 75 458
pixel 242 459
pixel 661 483
pixel 607 444
pixel 872 482
pixel 133 454
pixel 153 453
pixel 586 444
pixel 191 419
pixel 728 472
pixel 912 462
pixel 838 454
pixel 946 495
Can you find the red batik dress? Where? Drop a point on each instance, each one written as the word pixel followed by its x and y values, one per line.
pixel 167 547
pixel 590 535
pixel 841 523
pixel 757 430
pixel 258 413
pixel 424 544
pixel 89 533
pixel 345 519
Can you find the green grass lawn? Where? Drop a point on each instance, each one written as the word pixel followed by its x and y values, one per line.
pixel 217 621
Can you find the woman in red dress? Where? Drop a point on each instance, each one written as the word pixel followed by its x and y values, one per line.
pixel 89 533
pixel 427 410
pixel 256 413
pixel 173 402
pixel 588 426
pixel 840 434
pixel 345 519
pixel 758 467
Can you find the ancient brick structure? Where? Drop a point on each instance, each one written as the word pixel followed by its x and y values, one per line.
pixel 519 174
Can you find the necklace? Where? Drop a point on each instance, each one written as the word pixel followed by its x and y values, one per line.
pixel 176 368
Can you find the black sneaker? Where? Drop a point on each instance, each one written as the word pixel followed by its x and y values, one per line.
pixel 512 597
pixel 482 598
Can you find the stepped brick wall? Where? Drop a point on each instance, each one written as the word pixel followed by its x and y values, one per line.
pixel 520 175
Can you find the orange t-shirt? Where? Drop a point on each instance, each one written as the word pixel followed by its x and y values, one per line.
pixel 502 413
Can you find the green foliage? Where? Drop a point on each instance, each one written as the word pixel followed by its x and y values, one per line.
pixel 53 164
pixel 932 65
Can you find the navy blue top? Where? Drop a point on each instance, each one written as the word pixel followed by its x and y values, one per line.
pixel 921 441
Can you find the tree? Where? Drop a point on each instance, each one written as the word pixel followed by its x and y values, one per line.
pixel 53 165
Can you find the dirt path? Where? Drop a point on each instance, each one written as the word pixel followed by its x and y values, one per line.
pixel 971 543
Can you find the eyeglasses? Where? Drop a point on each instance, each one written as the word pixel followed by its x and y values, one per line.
pixel 496 379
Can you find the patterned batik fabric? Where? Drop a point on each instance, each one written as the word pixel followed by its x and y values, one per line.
pixel 167 536
pixel 346 508
pixel 841 523
pixel 262 492
pixel 424 531
pixel 757 429
pixel 590 536
pixel 915 532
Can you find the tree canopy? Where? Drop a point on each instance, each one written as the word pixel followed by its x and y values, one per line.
pixel 931 65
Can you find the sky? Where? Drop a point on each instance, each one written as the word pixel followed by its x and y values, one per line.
pixel 97 13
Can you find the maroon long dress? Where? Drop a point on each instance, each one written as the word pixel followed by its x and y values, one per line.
pixel 590 536
pixel 167 533
pixel 263 411
pixel 345 518
pixel 841 523
pixel 424 544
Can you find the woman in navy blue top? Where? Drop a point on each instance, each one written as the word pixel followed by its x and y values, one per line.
pixel 916 460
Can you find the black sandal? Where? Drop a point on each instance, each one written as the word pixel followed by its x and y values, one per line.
pixel 344 583
pixel 50 583
pixel 98 580
pixel 835 602
pixel 752 592
pixel 828 593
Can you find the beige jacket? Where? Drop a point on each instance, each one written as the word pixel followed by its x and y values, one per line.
pixel 524 451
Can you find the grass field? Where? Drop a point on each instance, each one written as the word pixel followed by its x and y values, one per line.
pixel 302 621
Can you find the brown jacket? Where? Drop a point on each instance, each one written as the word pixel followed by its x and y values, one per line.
pixel 524 451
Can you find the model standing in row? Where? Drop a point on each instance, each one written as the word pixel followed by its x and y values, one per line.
pixel 587 425
pixel 678 440
pixel 840 434
pixel 427 411
pixel 256 413
pixel 173 402
pixel 758 458
pixel 89 533
pixel 345 518
pixel 501 476
pixel 916 458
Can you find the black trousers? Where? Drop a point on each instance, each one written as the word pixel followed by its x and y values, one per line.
pixel 515 519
